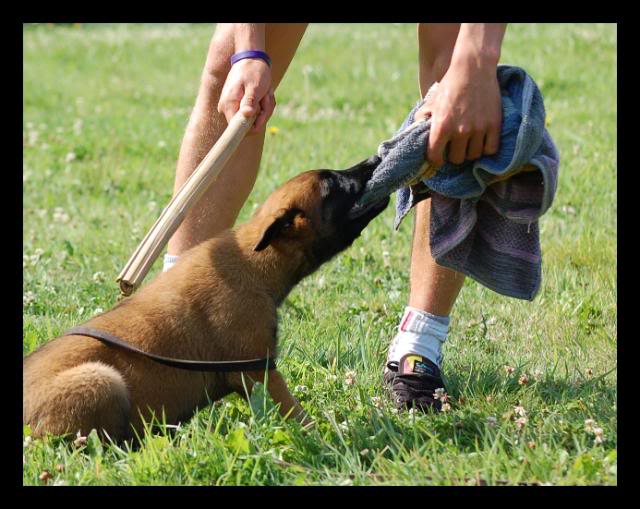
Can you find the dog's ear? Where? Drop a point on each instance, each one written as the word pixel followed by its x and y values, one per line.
pixel 283 221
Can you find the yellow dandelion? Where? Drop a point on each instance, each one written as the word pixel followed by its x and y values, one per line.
pixel 273 130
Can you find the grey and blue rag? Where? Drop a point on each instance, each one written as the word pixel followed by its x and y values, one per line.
pixel 484 213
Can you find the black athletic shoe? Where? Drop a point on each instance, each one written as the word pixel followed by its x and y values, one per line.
pixel 413 382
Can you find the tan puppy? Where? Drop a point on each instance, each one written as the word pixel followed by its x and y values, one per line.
pixel 217 303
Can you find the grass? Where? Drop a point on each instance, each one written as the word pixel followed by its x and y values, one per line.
pixel 105 108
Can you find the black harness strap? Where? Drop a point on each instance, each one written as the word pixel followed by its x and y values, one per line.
pixel 219 366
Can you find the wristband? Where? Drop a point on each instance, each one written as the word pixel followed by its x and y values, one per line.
pixel 251 54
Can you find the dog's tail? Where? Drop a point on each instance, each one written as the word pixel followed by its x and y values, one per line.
pixel 89 396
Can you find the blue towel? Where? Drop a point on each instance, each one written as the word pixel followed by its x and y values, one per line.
pixel 484 213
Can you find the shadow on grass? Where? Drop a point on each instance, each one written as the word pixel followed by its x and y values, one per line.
pixel 551 388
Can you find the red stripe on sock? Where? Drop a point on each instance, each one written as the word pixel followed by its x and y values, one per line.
pixel 404 322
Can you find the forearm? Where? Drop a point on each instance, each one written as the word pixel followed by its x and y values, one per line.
pixel 478 45
pixel 248 36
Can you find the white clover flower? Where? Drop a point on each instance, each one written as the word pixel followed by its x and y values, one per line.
pixel 70 157
pixel 60 216
pixel 599 435
pixel 523 380
pixel 364 452
pixel 377 402
pixel 492 421
pixel 97 311
pixel 35 257
pixel 99 277
pixel 439 393
pixel 350 378
pixel 520 422
pixel 33 137
pixel 80 441
pixel 446 407
pixel 537 375
pixel 333 378
pixel 27 299
pixel 519 410
pixel 509 369
pixel 301 388
pixel 386 260
pixel 27 442
pixel 589 425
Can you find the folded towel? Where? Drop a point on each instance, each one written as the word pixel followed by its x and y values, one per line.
pixel 484 213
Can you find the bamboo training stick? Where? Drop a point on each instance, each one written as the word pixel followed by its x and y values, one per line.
pixel 173 214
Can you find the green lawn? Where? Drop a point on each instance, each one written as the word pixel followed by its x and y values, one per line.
pixel 105 109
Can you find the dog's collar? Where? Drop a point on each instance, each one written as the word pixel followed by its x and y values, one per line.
pixel 219 366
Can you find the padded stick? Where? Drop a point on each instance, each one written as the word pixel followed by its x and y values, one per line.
pixel 173 214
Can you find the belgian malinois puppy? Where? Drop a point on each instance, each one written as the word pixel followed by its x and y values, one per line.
pixel 217 303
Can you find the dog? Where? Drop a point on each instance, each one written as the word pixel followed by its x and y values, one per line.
pixel 218 302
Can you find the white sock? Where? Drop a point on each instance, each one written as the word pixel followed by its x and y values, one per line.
pixel 169 261
pixel 420 333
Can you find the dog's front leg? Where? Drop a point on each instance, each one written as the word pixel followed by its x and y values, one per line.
pixel 277 388
pixel 289 405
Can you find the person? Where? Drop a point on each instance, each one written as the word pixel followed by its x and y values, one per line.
pixel 466 114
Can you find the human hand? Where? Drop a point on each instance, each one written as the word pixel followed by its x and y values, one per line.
pixel 466 114
pixel 248 90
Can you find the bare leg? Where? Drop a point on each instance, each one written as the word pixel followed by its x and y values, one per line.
pixel 433 288
pixel 219 207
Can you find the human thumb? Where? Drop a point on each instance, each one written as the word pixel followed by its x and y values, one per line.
pixel 249 103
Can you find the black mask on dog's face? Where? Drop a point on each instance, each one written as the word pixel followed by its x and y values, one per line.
pixel 340 226
pixel 314 212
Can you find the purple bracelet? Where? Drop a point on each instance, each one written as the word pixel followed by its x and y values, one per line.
pixel 251 54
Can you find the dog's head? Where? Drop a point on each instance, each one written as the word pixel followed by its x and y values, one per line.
pixel 311 213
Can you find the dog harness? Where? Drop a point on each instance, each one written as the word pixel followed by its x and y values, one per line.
pixel 219 366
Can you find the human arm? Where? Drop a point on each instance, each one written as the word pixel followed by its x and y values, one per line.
pixel 248 85
pixel 466 108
